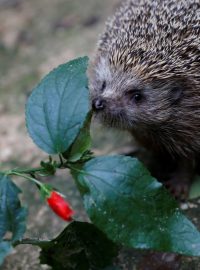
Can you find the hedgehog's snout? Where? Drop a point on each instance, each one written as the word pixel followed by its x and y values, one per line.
pixel 98 104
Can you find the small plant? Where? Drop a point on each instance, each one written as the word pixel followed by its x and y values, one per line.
pixel 126 205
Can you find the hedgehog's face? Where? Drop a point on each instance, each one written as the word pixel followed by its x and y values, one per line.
pixel 123 100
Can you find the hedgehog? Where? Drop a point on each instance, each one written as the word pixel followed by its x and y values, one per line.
pixel 145 78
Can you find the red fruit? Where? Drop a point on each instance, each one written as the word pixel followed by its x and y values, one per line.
pixel 61 207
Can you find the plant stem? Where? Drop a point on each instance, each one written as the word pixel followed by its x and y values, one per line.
pixel 26 177
pixel 30 171
pixel 26 171
pixel 29 241
pixel 78 170
pixel 61 162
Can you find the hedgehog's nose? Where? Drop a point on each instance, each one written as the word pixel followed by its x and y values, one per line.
pixel 98 104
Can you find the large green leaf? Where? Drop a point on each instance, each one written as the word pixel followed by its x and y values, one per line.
pixel 58 106
pixel 132 208
pixel 12 215
pixel 80 246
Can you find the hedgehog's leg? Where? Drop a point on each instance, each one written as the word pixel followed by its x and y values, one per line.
pixel 180 179
pixel 176 175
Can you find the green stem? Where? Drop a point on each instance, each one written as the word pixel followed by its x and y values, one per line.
pixel 62 163
pixel 28 241
pixel 26 177
pixel 29 170
pixel 26 171
pixel 82 171
pixel 75 169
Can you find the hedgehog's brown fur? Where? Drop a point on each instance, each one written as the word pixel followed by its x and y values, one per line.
pixel 158 38
pixel 153 45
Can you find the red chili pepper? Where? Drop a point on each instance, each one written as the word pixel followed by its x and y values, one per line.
pixel 60 206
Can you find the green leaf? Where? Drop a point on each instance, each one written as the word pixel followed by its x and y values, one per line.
pixel 5 249
pixel 57 107
pixel 12 215
pixel 82 143
pixel 132 208
pixel 80 246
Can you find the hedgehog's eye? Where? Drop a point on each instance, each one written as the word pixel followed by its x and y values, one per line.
pixel 137 97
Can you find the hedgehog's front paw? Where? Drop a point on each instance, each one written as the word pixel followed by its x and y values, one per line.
pixel 178 187
pixel 179 181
